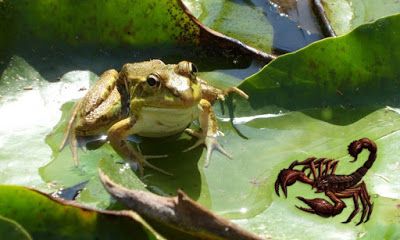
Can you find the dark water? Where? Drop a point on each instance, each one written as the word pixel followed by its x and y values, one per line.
pixel 294 24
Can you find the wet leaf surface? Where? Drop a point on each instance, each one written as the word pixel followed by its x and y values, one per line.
pixel 271 26
pixel 346 15
pixel 13 230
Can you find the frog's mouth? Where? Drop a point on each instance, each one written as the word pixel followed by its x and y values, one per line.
pixel 175 100
pixel 172 103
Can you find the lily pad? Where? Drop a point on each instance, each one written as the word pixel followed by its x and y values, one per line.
pixel 346 15
pixel 96 24
pixel 13 230
pixel 51 219
pixel 295 111
pixel 339 92
pixel 244 20
pixel 271 26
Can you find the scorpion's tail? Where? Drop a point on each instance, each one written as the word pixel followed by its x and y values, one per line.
pixel 355 148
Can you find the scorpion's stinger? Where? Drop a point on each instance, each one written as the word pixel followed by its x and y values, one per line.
pixel 354 149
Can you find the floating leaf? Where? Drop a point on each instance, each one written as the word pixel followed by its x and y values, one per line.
pixel 346 15
pixel 80 24
pixel 46 218
pixel 13 230
pixel 278 26
pixel 348 71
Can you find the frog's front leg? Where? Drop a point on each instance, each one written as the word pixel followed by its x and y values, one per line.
pixel 117 135
pixel 208 132
pixel 212 94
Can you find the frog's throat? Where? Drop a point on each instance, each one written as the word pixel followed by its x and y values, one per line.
pixel 161 122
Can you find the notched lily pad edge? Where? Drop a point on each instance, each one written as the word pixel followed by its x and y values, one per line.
pixel 211 37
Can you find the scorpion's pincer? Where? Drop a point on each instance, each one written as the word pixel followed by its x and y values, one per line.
pixel 321 207
pixel 286 178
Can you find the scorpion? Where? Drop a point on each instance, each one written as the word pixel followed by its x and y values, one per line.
pixel 336 187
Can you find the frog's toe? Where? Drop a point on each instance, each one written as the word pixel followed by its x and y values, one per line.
pixel 212 144
pixel 147 164
pixel 199 142
pixel 237 91
pixel 193 133
pixel 155 156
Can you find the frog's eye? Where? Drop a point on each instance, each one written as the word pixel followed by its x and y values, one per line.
pixel 193 68
pixel 152 80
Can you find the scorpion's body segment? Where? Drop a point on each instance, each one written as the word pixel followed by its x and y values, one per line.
pixel 322 177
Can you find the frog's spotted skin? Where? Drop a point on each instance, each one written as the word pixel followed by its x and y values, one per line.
pixel 141 99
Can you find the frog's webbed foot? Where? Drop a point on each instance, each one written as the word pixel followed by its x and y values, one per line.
pixel 117 135
pixel 210 142
pixel 139 161
pixel 208 133
pixel 142 161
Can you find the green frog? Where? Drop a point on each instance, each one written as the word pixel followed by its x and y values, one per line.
pixel 150 99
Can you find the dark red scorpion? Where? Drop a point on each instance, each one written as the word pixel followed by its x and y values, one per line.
pixel 334 186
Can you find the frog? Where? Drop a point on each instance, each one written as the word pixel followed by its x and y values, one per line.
pixel 148 99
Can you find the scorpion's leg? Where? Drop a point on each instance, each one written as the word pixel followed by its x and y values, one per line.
pixel 355 193
pixel 305 162
pixel 366 208
pixel 320 167
pixel 317 164
pixel 327 166
pixel 365 196
pixel 334 166
pixel 358 191
pixel 308 164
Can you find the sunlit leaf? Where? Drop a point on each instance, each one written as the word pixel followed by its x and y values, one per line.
pixel 278 26
pixel 13 230
pixel 45 218
pixel 346 15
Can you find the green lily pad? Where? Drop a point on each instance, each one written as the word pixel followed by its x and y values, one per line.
pixel 346 15
pixel 108 25
pixel 271 26
pixel 295 111
pixel 46 218
pixel 13 230
pixel 243 20
pixel 340 92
